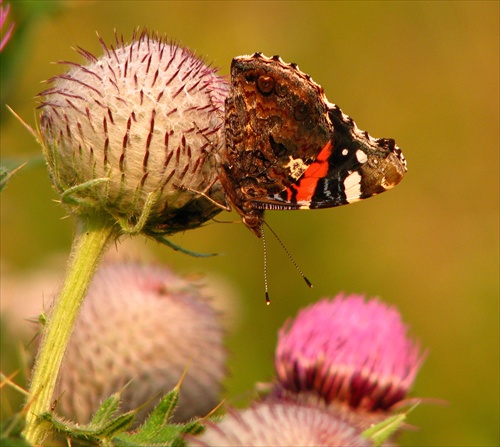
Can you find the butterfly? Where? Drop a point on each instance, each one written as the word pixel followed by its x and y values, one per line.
pixel 287 147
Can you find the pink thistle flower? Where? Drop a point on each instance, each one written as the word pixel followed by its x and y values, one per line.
pixel 140 328
pixel 348 350
pixel 4 13
pixel 276 423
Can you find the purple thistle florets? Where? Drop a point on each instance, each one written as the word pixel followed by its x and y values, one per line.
pixel 135 134
pixel 4 13
pixel 140 329
pixel 280 424
pixel 348 350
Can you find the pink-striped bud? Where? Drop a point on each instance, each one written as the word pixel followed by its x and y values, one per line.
pixel 280 423
pixel 140 328
pixel 135 134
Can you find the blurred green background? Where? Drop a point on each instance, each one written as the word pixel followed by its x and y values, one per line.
pixel 424 73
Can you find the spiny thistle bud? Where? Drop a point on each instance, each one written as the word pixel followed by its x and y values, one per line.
pixel 140 328
pixel 135 133
pixel 348 350
pixel 280 424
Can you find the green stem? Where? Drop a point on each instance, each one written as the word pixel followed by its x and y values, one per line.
pixel 88 247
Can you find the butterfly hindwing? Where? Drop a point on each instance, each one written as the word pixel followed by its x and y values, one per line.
pixel 287 147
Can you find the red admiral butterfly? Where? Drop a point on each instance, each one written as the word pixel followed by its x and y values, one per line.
pixel 287 147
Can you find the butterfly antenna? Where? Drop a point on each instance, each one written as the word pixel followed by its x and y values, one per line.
pixel 309 283
pixel 268 300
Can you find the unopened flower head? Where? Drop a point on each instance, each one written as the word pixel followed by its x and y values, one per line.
pixel 140 328
pixel 280 424
pixel 348 350
pixel 135 134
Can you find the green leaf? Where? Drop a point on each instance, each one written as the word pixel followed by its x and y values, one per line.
pixel 106 429
pixel 163 412
pixel 382 431
pixel 70 429
pixel 94 433
pixel 156 430
pixel 107 410
pixel 6 174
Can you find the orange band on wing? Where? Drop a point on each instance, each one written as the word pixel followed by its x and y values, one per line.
pixel 319 168
pixel 306 186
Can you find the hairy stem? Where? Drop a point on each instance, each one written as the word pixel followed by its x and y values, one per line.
pixel 88 247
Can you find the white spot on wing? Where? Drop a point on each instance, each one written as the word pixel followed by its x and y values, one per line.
pixel 352 187
pixel 361 156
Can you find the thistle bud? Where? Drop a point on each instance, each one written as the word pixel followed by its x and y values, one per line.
pixel 140 328
pixel 348 350
pixel 280 424
pixel 135 133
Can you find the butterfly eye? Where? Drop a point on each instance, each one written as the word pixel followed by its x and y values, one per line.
pixel 265 84
pixel 301 111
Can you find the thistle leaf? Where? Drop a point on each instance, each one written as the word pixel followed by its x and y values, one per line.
pixel 381 432
pixel 100 433
pixel 107 409
pixel 156 431
pixel 6 174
